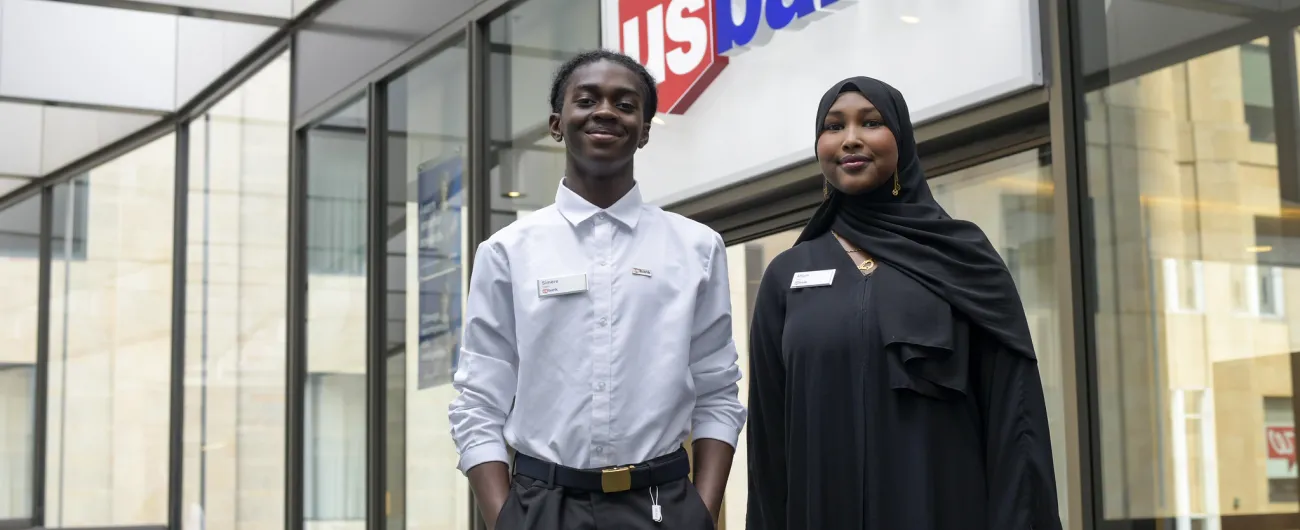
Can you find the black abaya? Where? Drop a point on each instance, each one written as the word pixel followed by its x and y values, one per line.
pixel 846 433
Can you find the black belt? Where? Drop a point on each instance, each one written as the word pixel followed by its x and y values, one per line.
pixel 657 472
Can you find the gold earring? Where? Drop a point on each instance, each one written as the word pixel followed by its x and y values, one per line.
pixel 898 186
pixel 826 190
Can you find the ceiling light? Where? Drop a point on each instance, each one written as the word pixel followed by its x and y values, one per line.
pixel 1260 248
pixel 513 194
pixel 909 19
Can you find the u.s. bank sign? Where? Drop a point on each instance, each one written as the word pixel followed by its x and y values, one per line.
pixel 687 43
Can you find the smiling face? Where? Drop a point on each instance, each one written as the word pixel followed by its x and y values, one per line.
pixel 857 152
pixel 601 119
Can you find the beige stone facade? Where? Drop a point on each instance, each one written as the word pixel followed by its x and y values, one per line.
pixel 1190 341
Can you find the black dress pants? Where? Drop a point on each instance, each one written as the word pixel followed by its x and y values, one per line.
pixel 535 505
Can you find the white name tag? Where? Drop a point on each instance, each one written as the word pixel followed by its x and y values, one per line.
pixel 812 279
pixel 562 285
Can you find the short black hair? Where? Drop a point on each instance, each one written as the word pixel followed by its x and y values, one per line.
pixel 648 91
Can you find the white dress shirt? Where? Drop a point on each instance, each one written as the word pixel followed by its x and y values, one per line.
pixel 617 374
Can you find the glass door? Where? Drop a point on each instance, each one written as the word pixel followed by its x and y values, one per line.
pixel 1193 182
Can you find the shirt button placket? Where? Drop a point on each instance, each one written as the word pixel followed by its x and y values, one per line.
pixel 602 360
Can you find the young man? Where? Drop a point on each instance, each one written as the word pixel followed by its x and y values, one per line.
pixel 597 337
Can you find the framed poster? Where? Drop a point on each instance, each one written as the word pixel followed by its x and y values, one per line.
pixel 440 195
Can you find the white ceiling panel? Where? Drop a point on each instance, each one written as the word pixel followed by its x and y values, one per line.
pixel 8 184
pixel 69 134
pixel 88 54
pixel 269 8
pixel 20 139
pixel 116 58
pixel 207 48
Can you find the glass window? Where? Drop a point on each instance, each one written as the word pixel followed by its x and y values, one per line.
pixel 235 316
pixel 528 44
pixel 18 311
pixel 335 428
pixel 1279 431
pixel 1184 285
pixel 1011 199
pixel 427 133
pixel 1257 92
pixel 110 345
pixel 1184 183
pixel 336 209
pixel 1271 291
pixel 20 232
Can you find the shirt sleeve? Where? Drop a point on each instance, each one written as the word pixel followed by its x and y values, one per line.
pixel 1022 481
pixel 766 434
pixel 487 374
pixel 718 413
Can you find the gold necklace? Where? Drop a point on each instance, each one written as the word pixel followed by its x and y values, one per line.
pixel 867 265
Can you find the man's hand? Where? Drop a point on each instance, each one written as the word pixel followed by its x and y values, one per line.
pixel 712 467
pixel 491 484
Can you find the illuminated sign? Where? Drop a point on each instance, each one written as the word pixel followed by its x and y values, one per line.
pixel 687 43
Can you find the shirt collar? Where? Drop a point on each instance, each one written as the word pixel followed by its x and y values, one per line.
pixel 576 209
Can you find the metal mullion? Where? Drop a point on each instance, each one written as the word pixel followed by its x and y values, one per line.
pixel 42 376
pixel 1286 109
pixel 477 187
pixel 1074 228
pixel 295 321
pixel 376 274
pixel 176 416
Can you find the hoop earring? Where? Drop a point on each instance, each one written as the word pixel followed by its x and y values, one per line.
pixel 898 186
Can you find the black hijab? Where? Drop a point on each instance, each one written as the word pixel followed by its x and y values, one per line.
pixel 952 264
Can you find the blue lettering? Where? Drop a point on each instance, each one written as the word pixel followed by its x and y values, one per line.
pixel 759 21
pixel 728 34
pixel 779 15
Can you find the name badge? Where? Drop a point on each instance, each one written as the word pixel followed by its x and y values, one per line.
pixel 812 279
pixel 562 285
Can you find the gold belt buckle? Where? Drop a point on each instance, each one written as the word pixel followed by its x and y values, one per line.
pixel 616 479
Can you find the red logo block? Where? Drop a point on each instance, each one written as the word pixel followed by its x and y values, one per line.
pixel 674 39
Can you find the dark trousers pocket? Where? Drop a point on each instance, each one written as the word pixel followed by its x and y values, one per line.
pixel 511 516
pixel 706 518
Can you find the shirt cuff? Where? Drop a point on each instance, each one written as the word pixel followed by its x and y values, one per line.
pixel 479 454
pixel 716 431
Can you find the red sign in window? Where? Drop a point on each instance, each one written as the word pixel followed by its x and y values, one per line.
pixel 1281 444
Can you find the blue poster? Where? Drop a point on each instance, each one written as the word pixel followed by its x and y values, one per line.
pixel 440 195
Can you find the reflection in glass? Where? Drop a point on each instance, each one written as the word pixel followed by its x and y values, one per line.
pixel 1194 259
pixel 235 316
pixel 426 278
pixel 528 44
pixel 20 228
pixel 1011 200
pixel 334 491
pixel 745 265
pixel 110 343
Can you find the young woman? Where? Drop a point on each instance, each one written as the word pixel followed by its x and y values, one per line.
pixel 893 384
